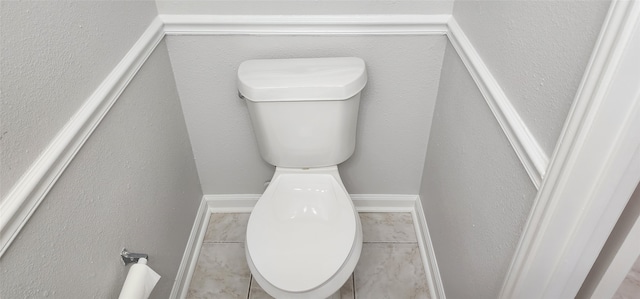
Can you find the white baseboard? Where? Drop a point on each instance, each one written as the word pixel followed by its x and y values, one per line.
pixel 428 253
pixel 244 203
pixel 191 252
pixel 231 203
pixel 386 203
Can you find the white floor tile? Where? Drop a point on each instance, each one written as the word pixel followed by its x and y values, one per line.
pixel 389 267
pixel 390 270
pixel 346 292
pixel 227 227
pixel 221 272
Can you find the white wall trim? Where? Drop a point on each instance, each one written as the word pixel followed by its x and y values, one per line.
pixel 532 156
pixel 305 24
pixel 388 203
pixel 191 251
pixel 231 203
pixel 244 203
pixel 427 251
pixel 23 199
pixel 25 196
pixel 594 170
pixel 221 203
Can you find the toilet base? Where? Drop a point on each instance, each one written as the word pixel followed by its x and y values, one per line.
pixel 328 290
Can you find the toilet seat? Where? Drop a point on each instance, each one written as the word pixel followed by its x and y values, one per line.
pixel 302 230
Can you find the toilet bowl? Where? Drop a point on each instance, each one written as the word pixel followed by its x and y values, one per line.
pixel 304 236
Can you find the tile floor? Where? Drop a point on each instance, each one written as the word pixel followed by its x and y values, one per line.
pixel 390 265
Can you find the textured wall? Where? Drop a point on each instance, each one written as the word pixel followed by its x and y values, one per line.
pixel 394 121
pixel 54 55
pixel 538 51
pixel 311 7
pixel 475 193
pixel 133 184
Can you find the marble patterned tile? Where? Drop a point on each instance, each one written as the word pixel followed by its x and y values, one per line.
pixel 221 272
pixel 390 265
pixel 226 228
pixel 256 292
pixel 387 227
pixel 630 287
pixel 390 270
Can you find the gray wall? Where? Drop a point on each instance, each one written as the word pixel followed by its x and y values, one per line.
pixel 302 7
pixel 133 184
pixel 54 55
pixel 475 193
pixel 395 111
pixel 538 51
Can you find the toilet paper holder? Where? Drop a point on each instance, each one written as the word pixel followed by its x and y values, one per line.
pixel 131 257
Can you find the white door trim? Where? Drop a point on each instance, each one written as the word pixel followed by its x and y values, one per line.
pixel 594 169
pixel 618 256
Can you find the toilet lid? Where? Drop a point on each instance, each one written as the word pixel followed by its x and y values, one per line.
pixel 301 231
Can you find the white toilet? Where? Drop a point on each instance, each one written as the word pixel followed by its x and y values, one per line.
pixel 304 236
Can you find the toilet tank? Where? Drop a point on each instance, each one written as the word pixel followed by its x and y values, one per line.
pixel 304 111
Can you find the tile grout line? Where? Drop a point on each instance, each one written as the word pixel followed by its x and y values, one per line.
pixel 250 281
pixel 355 294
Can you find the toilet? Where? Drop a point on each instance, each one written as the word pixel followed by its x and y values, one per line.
pixel 304 235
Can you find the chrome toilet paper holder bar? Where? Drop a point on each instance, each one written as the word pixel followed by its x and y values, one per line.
pixel 130 257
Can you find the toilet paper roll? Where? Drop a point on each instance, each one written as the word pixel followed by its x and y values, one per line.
pixel 140 281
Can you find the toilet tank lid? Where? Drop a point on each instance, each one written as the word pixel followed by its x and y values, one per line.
pixel 301 79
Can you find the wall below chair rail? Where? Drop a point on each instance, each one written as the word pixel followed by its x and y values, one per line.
pixel 475 194
pixel 133 184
